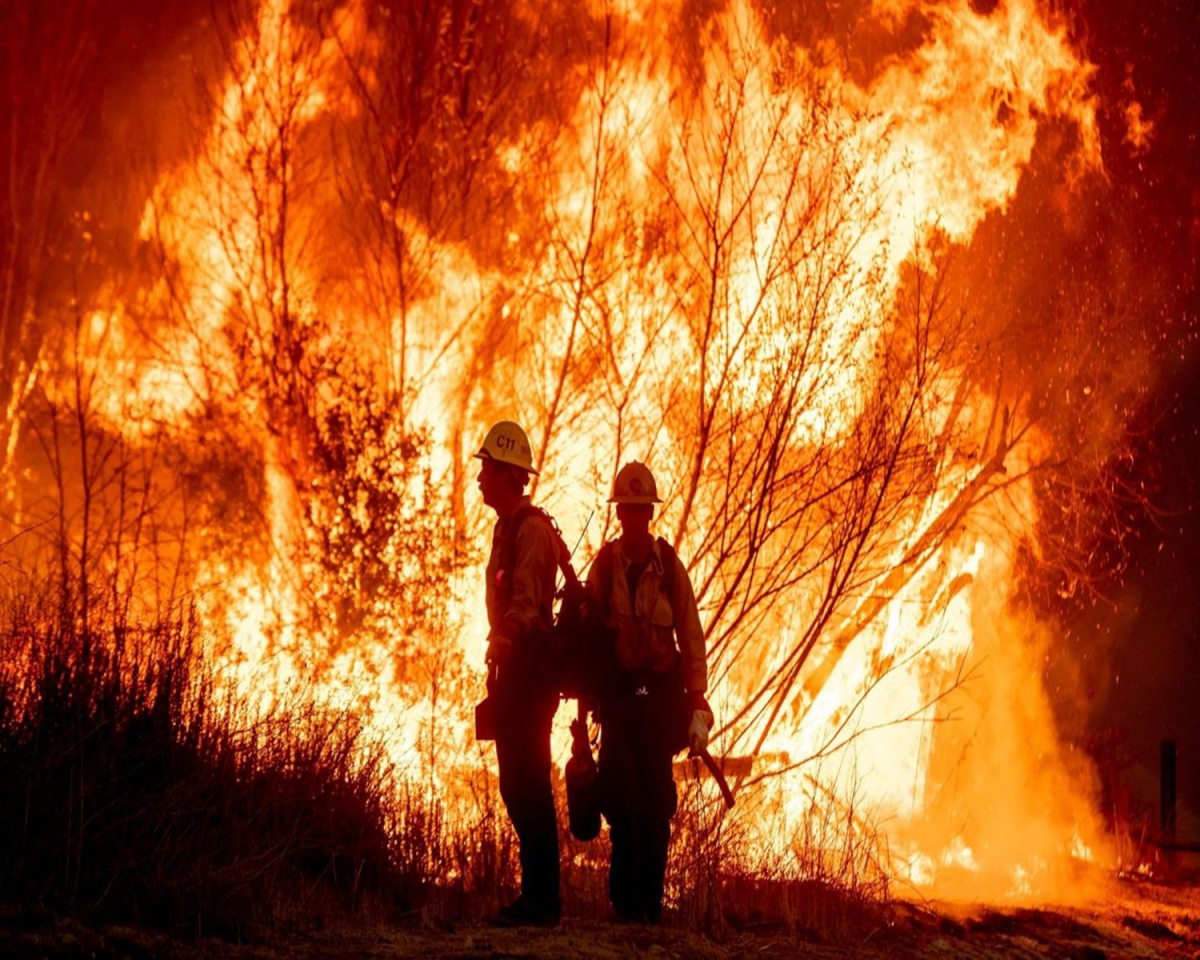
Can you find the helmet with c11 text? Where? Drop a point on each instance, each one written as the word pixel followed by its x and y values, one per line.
pixel 507 443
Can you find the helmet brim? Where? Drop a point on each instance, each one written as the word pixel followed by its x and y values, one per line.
pixel 484 455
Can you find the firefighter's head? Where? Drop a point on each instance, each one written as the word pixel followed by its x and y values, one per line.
pixel 506 464
pixel 635 494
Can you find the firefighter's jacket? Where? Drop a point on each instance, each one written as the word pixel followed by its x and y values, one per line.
pixel 649 624
pixel 520 601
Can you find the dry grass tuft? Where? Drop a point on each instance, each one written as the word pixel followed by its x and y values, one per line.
pixel 132 790
pixel 824 882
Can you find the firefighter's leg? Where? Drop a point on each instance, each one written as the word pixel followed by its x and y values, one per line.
pixel 661 801
pixel 656 837
pixel 523 753
pixel 622 805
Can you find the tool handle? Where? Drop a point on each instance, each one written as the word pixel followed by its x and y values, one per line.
pixel 718 775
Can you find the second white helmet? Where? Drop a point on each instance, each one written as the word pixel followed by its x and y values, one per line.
pixel 634 484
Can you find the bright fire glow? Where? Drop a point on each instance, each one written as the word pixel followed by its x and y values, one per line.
pixel 702 251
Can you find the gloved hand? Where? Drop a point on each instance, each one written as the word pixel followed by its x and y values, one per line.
pixel 702 722
pixel 499 648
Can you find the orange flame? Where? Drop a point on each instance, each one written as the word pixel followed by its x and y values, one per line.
pixel 693 213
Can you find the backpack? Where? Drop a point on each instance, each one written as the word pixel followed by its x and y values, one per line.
pixel 564 656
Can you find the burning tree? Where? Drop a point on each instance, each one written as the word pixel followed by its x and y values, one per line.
pixel 686 239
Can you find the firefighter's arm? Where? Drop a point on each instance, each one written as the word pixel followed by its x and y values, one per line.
pixel 693 650
pixel 534 566
pixel 692 646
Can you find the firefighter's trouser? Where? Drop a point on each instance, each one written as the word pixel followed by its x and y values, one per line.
pixel 523 754
pixel 637 741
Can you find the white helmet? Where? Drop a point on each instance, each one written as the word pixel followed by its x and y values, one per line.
pixel 634 484
pixel 506 443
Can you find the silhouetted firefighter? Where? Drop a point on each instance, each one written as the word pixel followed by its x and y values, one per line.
pixel 651 701
pixel 522 688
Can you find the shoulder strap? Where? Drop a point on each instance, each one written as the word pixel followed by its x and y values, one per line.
pixel 667 554
pixel 563 555
pixel 523 512
pixel 604 571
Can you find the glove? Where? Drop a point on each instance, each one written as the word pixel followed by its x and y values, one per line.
pixel 499 648
pixel 698 731
pixel 702 722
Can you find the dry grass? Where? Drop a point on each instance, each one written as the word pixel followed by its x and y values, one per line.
pixel 754 868
pixel 134 792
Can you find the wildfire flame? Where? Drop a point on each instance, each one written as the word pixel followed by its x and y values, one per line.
pixel 700 245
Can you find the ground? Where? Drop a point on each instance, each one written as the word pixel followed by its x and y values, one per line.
pixel 1131 920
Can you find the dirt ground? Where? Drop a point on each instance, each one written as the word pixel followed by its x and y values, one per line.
pixel 1132 920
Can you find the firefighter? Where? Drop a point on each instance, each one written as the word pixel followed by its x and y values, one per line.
pixel 520 593
pixel 651 701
